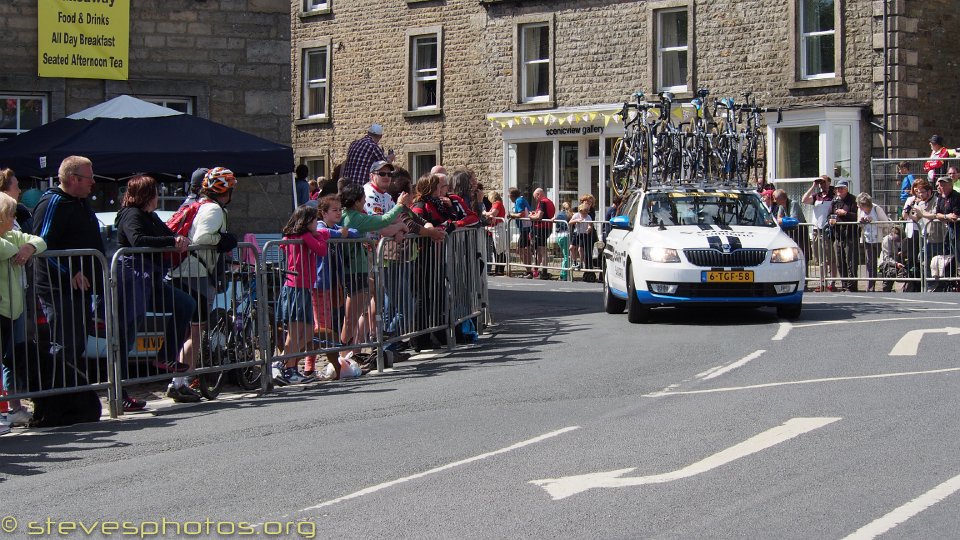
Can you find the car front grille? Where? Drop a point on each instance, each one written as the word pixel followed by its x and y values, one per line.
pixel 712 258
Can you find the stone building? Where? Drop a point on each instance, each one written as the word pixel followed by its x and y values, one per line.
pixel 224 60
pixel 524 91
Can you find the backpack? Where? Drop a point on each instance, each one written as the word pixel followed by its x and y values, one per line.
pixel 180 224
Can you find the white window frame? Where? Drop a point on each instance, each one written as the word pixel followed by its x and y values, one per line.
pixel 309 84
pixel 805 38
pixel 418 76
pixel 828 121
pixel 167 101
pixel 311 6
pixel 685 49
pixel 526 65
pixel 412 160
pixel 44 114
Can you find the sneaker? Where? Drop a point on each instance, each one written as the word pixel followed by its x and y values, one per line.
pixel 528 275
pixel 279 374
pixel 182 394
pixel 131 404
pixel 295 377
pixel 4 428
pixel 19 417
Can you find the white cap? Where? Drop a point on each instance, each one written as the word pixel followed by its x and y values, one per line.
pixel 376 129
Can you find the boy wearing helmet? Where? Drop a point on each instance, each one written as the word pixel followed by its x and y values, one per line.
pixel 197 273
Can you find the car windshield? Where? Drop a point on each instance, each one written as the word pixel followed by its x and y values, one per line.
pixel 704 208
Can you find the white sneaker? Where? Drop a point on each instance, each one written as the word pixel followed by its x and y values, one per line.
pixel 19 417
pixel 4 428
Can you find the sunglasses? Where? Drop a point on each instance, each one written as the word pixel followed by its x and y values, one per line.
pixel 382 174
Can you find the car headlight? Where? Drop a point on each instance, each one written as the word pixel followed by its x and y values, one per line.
pixel 661 255
pixel 785 255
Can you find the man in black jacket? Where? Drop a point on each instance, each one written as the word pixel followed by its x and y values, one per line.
pixel 64 219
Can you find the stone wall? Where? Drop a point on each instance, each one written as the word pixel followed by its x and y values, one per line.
pixel 231 57
pixel 602 56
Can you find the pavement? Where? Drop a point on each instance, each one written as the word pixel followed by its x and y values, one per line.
pixel 565 422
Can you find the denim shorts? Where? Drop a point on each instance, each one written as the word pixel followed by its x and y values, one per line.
pixel 294 305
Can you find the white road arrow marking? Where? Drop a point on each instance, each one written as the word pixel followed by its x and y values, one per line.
pixel 909 344
pixel 561 488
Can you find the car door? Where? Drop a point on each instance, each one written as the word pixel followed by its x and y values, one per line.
pixel 618 241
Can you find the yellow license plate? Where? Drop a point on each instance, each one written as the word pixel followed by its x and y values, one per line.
pixel 149 343
pixel 738 276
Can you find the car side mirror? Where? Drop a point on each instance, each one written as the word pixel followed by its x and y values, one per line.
pixel 620 222
pixel 789 223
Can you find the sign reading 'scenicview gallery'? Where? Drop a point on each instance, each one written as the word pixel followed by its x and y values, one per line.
pixel 83 39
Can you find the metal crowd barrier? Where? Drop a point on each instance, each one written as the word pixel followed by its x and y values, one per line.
pixel 904 256
pixel 52 347
pixel 570 247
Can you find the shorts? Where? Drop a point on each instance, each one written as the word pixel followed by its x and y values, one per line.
pixel 540 235
pixel 356 282
pixel 294 305
pixel 202 290
pixel 524 240
pixel 582 239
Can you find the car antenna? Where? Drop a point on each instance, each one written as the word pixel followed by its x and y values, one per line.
pixel 662 226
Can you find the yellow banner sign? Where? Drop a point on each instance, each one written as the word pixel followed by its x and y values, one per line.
pixel 83 39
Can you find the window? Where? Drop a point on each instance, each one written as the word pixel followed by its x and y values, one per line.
pixel 798 152
pixel 184 105
pixel 425 69
pixel 316 84
pixel 817 39
pixel 310 6
pixel 421 163
pixel 21 113
pixel 672 50
pixel 317 167
pixel 535 62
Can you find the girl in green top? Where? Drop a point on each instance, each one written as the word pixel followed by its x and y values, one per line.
pixel 357 272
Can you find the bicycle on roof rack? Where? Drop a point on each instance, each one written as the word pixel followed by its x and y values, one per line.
pixel 725 146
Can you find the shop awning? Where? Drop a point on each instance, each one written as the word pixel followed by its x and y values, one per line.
pixel 602 114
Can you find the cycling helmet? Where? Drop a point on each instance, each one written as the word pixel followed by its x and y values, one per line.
pixel 219 180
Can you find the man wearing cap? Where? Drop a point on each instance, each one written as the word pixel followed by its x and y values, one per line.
pixel 196 182
pixel 821 196
pixel 934 167
pixel 363 153
pixel 846 233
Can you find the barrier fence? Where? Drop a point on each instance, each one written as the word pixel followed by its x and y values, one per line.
pixel 90 324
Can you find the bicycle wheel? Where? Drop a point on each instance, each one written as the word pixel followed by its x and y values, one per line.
pixel 213 354
pixel 620 173
pixel 644 165
pixel 246 347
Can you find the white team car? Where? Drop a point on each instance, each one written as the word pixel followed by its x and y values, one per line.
pixel 677 246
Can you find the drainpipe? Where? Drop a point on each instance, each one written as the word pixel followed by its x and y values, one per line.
pixel 886 71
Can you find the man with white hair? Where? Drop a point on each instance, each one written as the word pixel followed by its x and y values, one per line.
pixel 363 153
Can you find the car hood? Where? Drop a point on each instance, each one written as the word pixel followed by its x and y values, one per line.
pixel 713 236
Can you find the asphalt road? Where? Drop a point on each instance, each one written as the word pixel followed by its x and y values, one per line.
pixel 565 422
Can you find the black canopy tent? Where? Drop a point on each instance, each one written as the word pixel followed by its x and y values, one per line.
pixel 126 135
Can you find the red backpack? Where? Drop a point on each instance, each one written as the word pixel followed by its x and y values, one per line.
pixel 180 224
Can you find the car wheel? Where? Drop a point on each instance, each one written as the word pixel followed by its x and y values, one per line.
pixel 636 312
pixel 789 311
pixel 612 304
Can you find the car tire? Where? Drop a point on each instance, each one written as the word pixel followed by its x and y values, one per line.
pixel 612 304
pixel 789 311
pixel 637 313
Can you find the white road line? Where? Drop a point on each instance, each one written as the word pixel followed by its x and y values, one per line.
pixel 909 344
pixel 561 488
pixel 871 321
pixel 739 363
pixel 782 332
pixel 807 381
pixel 896 517
pixel 707 372
pixel 908 300
pixel 378 487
